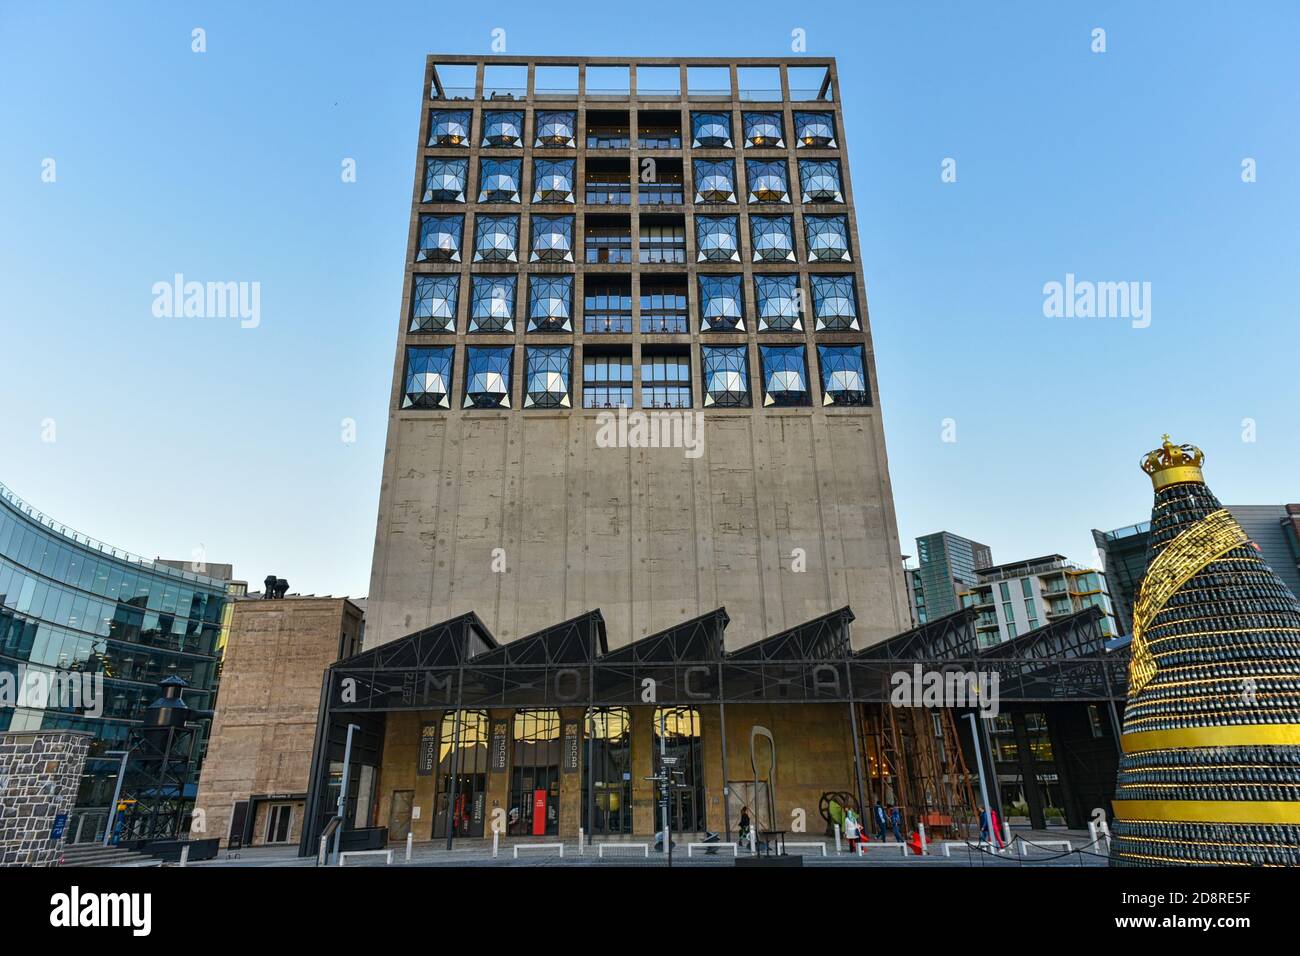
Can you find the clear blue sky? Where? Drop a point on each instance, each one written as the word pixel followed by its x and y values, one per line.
pixel 176 433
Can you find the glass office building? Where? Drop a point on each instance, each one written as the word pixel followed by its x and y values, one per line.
pixel 949 564
pixel 74 606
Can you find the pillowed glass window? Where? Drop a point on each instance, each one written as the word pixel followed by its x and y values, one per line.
pixel 553 180
pixel 449 128
pixel 428 377
pixel 844 375
pixel 772 238
pixel 722 304
pixel 828 238
pixel 814 130
pixel 716 239
pixel 777 299
pixel 496 239
pixel 763 130
pixel 552 239
pixel 785 375
pixel 820 179
pixel 835 302
pixel 767 180
pixel 433 303
pixel 498 180
pixel 546 381
pixel 503 128
pixel 492 304
pixel 606 381
pixel 556 128
pixel 715 180
pixel 440 238
pixel 444 179
pixel 711 130
pixel 666 381
pixel 487 376
pixel 550 303
pixel 726 376
pixel 606 307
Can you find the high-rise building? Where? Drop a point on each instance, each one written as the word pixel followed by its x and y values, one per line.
pixel 948 565
pixel 73 606
pixel 1015 598
pixel 1274 529
pixel 592 240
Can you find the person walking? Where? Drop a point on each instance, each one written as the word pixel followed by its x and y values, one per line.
pixel 896 823
pixel 852 830
pixel 878 817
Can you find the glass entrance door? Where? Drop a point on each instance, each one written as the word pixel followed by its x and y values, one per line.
pixel 462 757
pixel 467 813
pixel 682 744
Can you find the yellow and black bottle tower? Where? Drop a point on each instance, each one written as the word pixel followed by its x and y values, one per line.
pixel 1211 768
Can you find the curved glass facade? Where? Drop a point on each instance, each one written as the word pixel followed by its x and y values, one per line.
pixel 70 605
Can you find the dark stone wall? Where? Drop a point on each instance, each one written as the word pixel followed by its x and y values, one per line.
pixel 39 775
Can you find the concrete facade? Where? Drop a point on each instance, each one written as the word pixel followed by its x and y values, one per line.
pixel 262 736
pixel 40 772
pixel 522 516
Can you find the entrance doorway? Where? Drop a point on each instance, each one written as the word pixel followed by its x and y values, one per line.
pixel 535 774
pixel 463 761
pixel 399 814
pixel 683 746
pixel 279 822
pixel 609 748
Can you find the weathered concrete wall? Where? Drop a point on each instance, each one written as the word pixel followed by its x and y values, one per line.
pixel 649 536
pixel 39 775
pixel 265 725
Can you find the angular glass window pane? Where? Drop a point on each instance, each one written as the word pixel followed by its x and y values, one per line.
pixel 550 303
pixel 711 130
pixel 546 381
pixel 820 179
pixel 835 302
pixel 487 376
pixel 715 180
pixel 722 304
pixel 428 377
pixel 778 302
pixel 492 304
pixel 844 375
pixel 449 128
pixel 763 129
pixel 767 180
pixel 785 377
pixel 553 180
pixel 772 238
pixel 444 179
pixel 716 239
pixel 726 376
pixel 552 239
pixel 440 238
pixel 556 128
pixel 828 238
pixel 498 180
pixel 496 239
pixel 433 303
pixel 503 128
pixel 814 129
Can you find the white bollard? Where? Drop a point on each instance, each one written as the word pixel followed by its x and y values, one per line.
pixel 753 840
pixel 581 843
pixel 496 842
pixel 920 829
pixel 1006 833
pixel 185 854
pixel 410 838
pixel 837 838
pixel 324 851
pixel 1092 833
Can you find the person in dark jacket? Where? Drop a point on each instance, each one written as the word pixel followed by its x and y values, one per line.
pixel 896 823
pixel 878 815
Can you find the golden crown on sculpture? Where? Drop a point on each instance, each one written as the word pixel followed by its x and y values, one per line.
pixel 1170 464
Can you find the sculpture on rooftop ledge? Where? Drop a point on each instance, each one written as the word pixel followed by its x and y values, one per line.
pixel 1210 773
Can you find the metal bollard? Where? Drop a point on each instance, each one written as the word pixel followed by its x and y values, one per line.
pixel 324 847
pixel 920 829
pixel 185 854
pixel 837 838
pixel 410 839
pixel 580 842
pixel 1006 834
pixel 496 842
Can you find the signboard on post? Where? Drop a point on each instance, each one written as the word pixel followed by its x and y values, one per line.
pixel 428 750
pixel 498 746
pixel 572 746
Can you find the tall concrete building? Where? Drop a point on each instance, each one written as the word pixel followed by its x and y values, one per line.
pixel 591 240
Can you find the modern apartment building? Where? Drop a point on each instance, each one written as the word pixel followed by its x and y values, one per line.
pixel 948 565
pixel 1013 599
pixel 592 239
